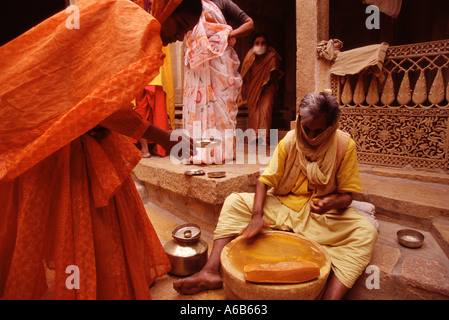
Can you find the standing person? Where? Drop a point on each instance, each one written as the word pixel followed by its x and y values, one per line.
pixel 69 206
pixel 261 72
pixel 211 79
pixel 154 104
pixel 312 175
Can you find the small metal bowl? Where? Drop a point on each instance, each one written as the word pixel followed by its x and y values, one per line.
pixel 194 172
pixel 216 174
pixel 206 143
pixel 410 238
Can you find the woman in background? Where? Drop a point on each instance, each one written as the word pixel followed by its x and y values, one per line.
pixel 211 79
pixel 261 72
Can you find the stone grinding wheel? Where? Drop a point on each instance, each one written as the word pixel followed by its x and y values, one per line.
pixel 284 246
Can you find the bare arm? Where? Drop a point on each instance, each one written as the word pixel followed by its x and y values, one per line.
pixel 244 30
pixel 334 201
pixel 257 223
pixel 162 137
pixel 159 136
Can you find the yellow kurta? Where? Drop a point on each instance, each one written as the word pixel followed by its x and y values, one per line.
pixel 347 235
pixel 345 180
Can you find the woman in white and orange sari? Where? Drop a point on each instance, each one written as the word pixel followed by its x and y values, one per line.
pixel 212 82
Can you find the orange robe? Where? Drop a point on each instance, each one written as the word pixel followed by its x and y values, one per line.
pixel 260 84
pixel 67 200
pixel 151 105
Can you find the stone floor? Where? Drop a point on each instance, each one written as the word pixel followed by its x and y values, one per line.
pixel 164 222
pixel 403 199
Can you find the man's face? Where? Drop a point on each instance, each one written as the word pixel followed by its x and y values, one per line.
pixel 176 26
pixel 313 128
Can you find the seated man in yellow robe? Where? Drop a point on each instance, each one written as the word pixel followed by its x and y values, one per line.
pixel 311 177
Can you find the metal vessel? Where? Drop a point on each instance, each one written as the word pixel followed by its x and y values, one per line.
pixel 187 252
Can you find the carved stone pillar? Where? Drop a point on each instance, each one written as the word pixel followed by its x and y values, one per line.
pixel 312 26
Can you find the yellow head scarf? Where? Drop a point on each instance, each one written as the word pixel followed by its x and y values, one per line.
pixel 317 156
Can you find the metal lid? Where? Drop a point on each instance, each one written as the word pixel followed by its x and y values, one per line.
pixel 187 233
pixel 194 172
pixel 216 174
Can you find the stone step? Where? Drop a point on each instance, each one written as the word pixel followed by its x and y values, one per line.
pixel 415 199
pixel 399 273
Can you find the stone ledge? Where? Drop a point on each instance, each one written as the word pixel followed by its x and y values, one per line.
pixel 440 231
pixel 406 173
pixel 194 198
pixel 162 173
pixel 404 274
pixel 411 201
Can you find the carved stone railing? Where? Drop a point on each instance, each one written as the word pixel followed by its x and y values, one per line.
pixel 400 119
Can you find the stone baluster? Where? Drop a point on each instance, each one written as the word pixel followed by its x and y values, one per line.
pixel 346 96
pixel 420 91
pixel 436 94
pixel 372 97
pixel 359 92
pixel 388 97
pixel 447 92
pixel 404 94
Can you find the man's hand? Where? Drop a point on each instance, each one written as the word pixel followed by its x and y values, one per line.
pixel 321 205
pixel 254 227
pixel 334 201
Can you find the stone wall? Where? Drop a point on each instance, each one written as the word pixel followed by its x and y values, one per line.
pixel 401 119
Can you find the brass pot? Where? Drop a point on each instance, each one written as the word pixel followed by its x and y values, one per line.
pixel 187 252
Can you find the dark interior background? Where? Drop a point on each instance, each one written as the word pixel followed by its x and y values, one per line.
pixel 418 21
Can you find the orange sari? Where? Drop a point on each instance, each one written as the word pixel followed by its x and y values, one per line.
pixel 72 225
pixel 260 84
pixel 151 105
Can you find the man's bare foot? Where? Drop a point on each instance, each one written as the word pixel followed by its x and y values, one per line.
pixel 146 155
pixel 201 281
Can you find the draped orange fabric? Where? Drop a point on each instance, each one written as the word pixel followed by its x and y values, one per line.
pixel 72 225
pixel 260 84
pixel 151 105
pixel 257 73
pixel 161 10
